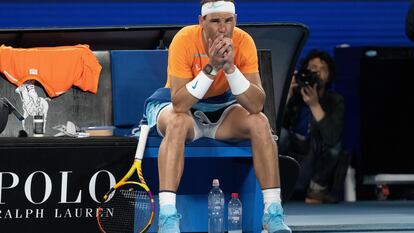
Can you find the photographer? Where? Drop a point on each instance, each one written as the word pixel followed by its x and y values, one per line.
pixel 312 127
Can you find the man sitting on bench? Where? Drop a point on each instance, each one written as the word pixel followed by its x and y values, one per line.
pixel 214 91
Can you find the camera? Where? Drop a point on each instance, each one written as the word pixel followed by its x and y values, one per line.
pixel 306 77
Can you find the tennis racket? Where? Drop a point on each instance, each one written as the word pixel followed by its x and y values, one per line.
pixel 129 205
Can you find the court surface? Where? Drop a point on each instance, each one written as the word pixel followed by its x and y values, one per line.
pixel 360 216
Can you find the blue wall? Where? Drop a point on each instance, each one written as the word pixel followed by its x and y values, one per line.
pixel 331 22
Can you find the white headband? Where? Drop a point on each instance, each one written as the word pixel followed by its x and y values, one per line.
pixel 219 6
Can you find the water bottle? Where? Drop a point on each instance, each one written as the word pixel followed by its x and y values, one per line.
pixel 216 209
pixel 235 214
pixel 38 126
pixel 350 185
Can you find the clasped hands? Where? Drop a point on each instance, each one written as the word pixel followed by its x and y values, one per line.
pixel 221 55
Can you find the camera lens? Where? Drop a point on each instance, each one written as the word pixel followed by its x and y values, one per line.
pixel 306 77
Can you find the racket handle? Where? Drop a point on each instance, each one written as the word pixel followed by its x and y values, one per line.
pixel 142 142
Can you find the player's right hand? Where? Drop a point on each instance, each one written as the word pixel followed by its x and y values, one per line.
pixel 216 49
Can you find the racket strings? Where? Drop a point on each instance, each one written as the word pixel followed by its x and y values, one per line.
pixel 134 194
pixel 130 210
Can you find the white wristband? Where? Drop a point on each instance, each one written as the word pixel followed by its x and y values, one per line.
pixel 199 86
pixel 237 82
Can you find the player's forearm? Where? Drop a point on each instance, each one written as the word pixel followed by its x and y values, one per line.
pixel 253 99
pixel 247 91
pixel 182 100
pixel 191 92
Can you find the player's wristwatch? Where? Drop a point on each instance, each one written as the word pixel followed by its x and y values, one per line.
pixel 209 70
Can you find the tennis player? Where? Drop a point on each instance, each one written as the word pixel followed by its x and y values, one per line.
pixel 214 90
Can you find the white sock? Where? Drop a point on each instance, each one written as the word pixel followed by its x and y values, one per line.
pixel 271 196
pixel 167 198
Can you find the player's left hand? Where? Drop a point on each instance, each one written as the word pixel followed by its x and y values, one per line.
pixel 228 55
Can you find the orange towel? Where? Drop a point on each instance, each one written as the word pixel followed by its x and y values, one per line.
pixel 55 68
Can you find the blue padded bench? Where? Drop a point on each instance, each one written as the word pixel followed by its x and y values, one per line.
pixel 136 74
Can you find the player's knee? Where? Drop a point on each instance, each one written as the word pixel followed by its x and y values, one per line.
pixel 258 124
pixel 178 124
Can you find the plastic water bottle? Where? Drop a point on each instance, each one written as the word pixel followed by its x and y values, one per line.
pixel 350 185
pixel 216 209
pixel 235 214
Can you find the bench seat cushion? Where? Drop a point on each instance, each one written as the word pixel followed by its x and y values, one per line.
pixel 204 147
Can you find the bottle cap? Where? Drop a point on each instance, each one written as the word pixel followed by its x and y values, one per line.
pixel 234 195
pixel 216 182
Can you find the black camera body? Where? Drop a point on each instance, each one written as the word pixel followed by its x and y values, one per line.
pixel 306 77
